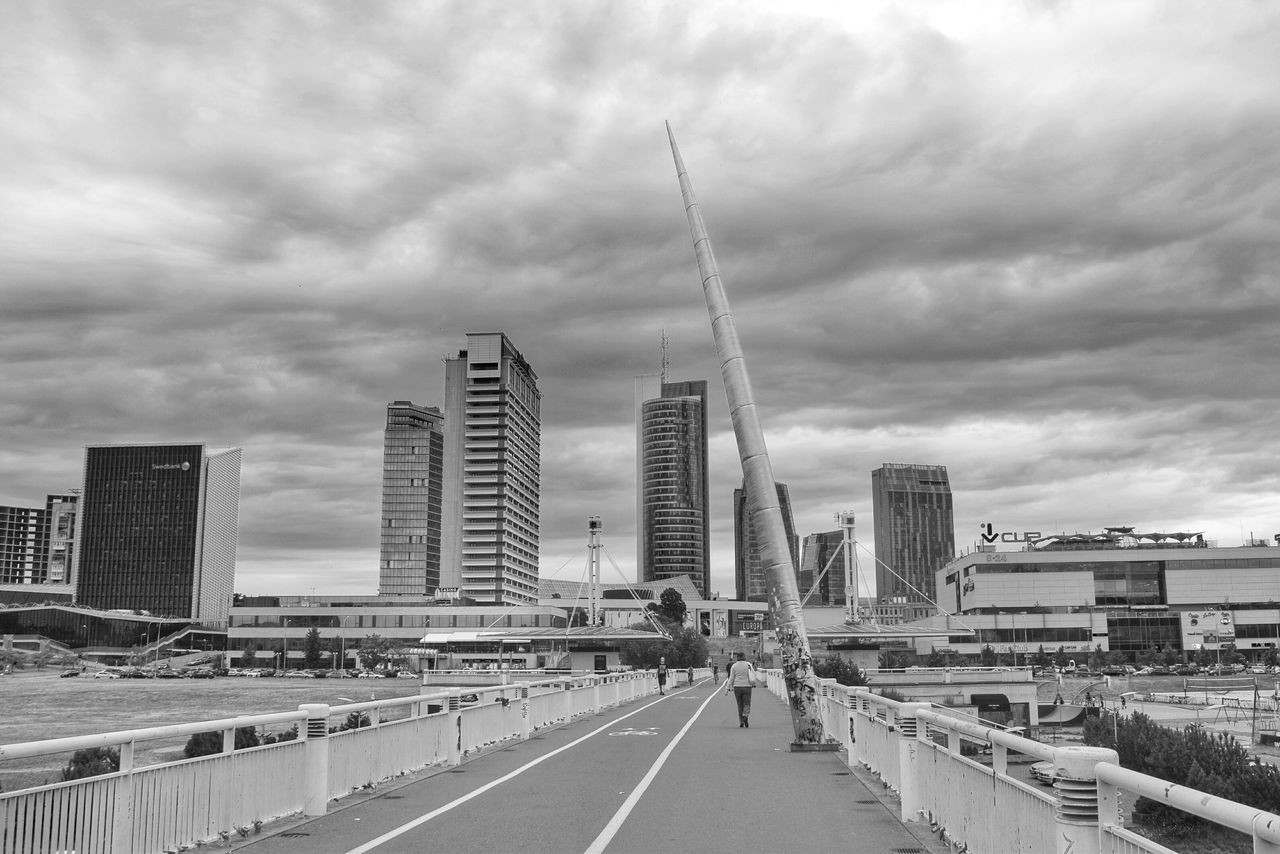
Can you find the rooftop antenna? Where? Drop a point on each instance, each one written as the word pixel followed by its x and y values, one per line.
pixel 666 357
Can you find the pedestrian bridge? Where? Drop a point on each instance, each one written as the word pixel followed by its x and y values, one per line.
pixel 601 764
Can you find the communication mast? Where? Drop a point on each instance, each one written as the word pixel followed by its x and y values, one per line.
pixel 594 529
pixel 845 519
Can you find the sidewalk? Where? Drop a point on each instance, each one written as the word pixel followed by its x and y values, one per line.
pixel 673 773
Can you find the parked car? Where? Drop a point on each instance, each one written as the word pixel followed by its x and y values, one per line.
pixel 298 674
pixel 1042 772
pixel 107 674
pixel 202 673
pixel 370 674
pixel 406 674
pixel 68 673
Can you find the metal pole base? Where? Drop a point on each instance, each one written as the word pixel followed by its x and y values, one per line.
pixel 825 747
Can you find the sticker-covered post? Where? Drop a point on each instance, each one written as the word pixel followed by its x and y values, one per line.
pixel 757 474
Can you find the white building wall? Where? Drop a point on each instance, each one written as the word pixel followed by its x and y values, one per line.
pixel 216 565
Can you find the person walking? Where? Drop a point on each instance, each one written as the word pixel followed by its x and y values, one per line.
pixel 738 682
pixel 662 675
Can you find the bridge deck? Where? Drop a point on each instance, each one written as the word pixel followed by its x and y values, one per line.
pixel 668 773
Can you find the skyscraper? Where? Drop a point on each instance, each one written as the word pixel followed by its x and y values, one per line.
pixel 412 482
pixel 823 551
pixel 749 572
pixel 915 531
pixel 158 529
pixel 492 431
pixel 674 526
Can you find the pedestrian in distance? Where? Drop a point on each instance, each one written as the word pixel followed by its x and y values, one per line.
pixel 738 681
pixel 715 673
pixel 662 675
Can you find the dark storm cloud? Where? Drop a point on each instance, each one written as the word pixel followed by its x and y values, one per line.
pixel 1034 243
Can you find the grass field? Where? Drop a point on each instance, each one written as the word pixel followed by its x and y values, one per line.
pixel 38 705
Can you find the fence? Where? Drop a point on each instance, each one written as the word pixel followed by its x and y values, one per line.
pixel 167 806
pixel 954 775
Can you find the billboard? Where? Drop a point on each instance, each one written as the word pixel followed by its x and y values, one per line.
pixel 1210 629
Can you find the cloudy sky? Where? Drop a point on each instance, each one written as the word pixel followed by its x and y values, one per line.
pixel 1033 242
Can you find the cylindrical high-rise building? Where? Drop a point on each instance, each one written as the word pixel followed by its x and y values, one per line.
pixel 675 526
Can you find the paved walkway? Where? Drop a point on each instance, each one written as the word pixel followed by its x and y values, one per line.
pixel 669 773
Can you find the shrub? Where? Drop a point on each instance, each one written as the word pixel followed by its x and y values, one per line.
pixel 92 762
pixel 208 743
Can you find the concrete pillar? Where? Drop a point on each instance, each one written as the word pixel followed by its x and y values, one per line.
pixel 315 763
pixel 568 700
pixel 526 723
pixel 595 694
pixel 909 761
pixel 1076 785
pixel 454 711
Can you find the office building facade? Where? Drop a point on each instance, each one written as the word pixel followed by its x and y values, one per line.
pixel 914 528
pixel 492 473
pixel 750 582
pixel 412 485
pixel 1120 591
pixel 674 526
pixel 158 529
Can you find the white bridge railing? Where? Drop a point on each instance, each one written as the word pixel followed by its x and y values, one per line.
pixel 953 774
pixel 169 806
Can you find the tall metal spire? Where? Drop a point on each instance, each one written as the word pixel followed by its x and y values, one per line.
pixel 757 473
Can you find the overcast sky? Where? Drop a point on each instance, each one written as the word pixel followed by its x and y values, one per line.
pixel 1033 242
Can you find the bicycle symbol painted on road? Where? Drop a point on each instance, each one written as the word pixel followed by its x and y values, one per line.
pixel 630 731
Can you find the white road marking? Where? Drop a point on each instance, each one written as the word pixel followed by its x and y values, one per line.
pixel 611 829
pixel 426 817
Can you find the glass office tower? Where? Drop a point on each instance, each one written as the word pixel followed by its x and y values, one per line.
pixel 412 481
pixel 749 577
pixel 674 524
pixel 915 530
pixel 158 528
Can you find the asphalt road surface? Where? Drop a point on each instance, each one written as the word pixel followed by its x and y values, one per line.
pixel 668 773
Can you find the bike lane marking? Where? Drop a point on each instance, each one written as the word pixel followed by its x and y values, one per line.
pixel 456 802
pixel 611 829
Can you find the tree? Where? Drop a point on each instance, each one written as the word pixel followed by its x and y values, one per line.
pixel 249 655
pixel 686 648
pixel 987 657
pixel 845 672
pixel 671 607
pixel 312 653
pixel 373 651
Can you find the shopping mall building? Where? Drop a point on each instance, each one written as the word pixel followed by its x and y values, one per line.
pixel 1118 590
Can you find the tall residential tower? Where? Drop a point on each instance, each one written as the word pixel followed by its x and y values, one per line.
pixel 915 531
pixel 674 527
pixel 492 431
pixel 412 483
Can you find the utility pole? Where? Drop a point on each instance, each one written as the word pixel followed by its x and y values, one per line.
pixel 762 492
